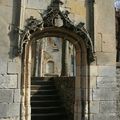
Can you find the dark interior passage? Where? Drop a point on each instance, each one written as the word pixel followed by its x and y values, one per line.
pixel 46 103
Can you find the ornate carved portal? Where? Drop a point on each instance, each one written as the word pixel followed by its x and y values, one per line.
pixel 51 18
pixel 56 23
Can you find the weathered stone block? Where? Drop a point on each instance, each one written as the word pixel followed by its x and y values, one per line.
pixel 6 17
pixel 108 107
pixel 105 94
pixel 105 41
pixel 77 7
pixel 106 82
pixel 13 110
pixel 10 118
pixel 13 67
pixel 109 43
pixel 38 4
pixel 94 107
pixel 109 71
pixel 103 20
pixel 17 96
pixel 9 110
pixel 91 117
pixel 8 81
pixel 106 58
pixel 93 70
pixel 6 2
pixel 93 82
pixel 3 66
pixel 3 110
pixel 105 117
pixel 6 96
pixel 98 42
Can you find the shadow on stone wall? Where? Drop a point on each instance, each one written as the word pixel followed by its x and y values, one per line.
pixel 14 34
pixel 66 88
pixel 87 14
pixel 89 5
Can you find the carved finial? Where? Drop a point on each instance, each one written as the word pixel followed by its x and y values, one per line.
pixel 59 2
pixel 56 3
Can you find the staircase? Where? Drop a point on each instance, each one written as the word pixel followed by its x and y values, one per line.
pixel 45 101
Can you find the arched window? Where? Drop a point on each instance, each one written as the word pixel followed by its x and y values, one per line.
pixel 50 67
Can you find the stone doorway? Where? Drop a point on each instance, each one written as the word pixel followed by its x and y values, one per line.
pixel 53 79
pixel 81 78
pixel 56 24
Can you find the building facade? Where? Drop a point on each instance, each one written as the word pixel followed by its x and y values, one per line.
pixel 96 88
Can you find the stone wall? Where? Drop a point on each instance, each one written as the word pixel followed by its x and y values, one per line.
pixel 103 90
pixel 9 64
pixel 103 70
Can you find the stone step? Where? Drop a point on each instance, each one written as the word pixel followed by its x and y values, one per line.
pixel 47 103
pixel 43 78
pixel 42 87
pixel 42 110
pixel 44 97
pixel 52 116
pixel 44 92
pixel 41 82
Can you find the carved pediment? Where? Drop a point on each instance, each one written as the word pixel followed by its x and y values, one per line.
pixel 49 18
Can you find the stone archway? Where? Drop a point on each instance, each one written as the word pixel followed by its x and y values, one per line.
pixel 81 81
pixel 80 39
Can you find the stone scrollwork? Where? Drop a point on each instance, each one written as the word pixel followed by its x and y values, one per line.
pixel 49 18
